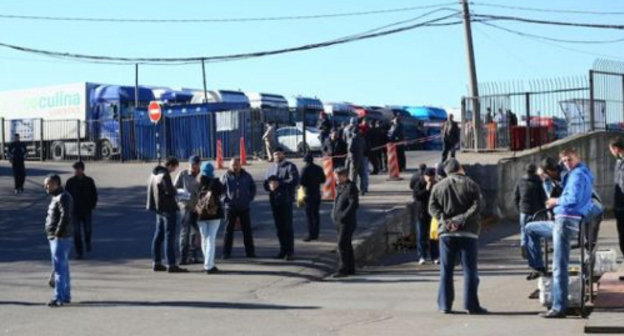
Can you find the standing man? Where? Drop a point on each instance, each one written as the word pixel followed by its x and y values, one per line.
pixel 573 204
pixel 455 203
pixel 396 134
pixel 617 149
pixel 529 197
pixel 84 193
pixel 345 219
pixel 422 192
pixel 324 126
pixel 58 228
pixel 270 141
pixel 450 137
pixel 374 139
pixel 355 154
pixel 312 177
pixel 187 185
pixel 335 147
pixel 282 179
pixel 161 199
pixel 17 157
pixel 239 190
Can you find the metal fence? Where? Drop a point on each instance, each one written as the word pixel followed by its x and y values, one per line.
pixel 521 115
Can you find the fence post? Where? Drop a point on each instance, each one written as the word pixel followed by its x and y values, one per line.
pixel 2 154
pixel 78 139
pixel 165 137
pixel 121 139
pixel 527 106
pixel 41 149
pixel 591 100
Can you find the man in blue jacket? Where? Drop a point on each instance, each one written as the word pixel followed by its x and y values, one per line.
pixel 569 209
pixel 282 179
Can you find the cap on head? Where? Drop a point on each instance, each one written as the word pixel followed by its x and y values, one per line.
pixel 194 159
pixel 78 165
pixel 451 166
pixel 207 169
pixel 309 158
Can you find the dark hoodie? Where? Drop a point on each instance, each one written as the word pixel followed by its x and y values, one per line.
pixel 161 194
pixel 529 195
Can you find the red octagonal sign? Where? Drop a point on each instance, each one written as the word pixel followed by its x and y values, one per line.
pixel 154 111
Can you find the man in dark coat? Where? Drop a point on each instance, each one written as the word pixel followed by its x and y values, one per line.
pixel 530 197
pixel 422 186
pixel 83 191
pixel 324 126
pixel 17 157
pixel 344 216
pixel 312 178
pixel 282 179
pixel 396 134
pixel 373 137
pixel 335 147
pixel 450 137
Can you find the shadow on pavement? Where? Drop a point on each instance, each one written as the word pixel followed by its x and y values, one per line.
pixel 174 304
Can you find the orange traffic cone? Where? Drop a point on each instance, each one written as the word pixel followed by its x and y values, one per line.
pixel 243 152
pixel 219 154
pixel 393 163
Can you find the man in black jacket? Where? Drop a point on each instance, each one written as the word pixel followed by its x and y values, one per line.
pixel 422 191
pixel 58 229
pixel 530 197
pixel 17 157
pixel 161 199
pixel 83 191
pixel 344 216
pixel 324 126
pixel 450 137
pixel 335 147
pixel 281 180
pixel 312 177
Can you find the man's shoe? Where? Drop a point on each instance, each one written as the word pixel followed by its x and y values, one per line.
pixel 444 311
pixel 421 261
pixel 478 311
pixel 212 270
pixel 159 268
pixel 437 261
pixel 538 273
pixel 176 269
pixel 339 275
pixel 552 314
pixel 55 304
pixel 534 295
pixel 289 257
pixel 621 278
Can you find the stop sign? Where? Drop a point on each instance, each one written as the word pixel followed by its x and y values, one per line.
pixel 154 112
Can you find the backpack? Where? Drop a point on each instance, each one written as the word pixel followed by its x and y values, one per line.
pixel 207 206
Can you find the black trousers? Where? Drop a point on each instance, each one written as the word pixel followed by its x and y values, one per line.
pixel 374 157
pixel 446 149
pixel 346 260
pixel 619 219
pixel 283 216
pixel 313 216
pixel 82 223
pixel 383 159
pixel 230 222
pixel 401 157
pixel 19 175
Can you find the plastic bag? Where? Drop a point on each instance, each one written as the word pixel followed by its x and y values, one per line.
pixel 300 197
pixel 433 231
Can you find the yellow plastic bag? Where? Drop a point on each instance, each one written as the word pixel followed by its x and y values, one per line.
pixel 433 231
pixel 300 197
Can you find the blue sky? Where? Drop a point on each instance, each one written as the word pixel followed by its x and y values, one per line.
pixel 420 67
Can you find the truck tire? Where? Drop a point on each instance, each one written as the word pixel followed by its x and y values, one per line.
pixel 106 150
pixel 57 151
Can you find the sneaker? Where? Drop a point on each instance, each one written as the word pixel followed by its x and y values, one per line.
pixel 553 314
pixel 308 239
pixel 159 268
pixel 289 257
pixel 538 273
pixel 421 261
pixel 212 270
pixel 437 261
pixel 176 269
pixel 55 304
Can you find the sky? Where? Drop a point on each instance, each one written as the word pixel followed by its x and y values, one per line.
pixel 426 66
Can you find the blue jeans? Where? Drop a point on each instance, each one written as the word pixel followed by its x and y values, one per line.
pixel 562 230
pixel 59 250
pixel 450 249
pixel 165 232
pixel 522 221
pixel 364 174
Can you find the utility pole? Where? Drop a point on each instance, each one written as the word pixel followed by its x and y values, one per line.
pixel 472 71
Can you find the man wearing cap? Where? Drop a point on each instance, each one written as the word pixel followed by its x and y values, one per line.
pixel 187 185
pixel 312 177
pixel 455 203
pixel 345 219
pixel 17 155
pixel 282 179
pixel 82 189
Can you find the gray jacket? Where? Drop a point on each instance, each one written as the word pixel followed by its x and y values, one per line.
pixel 185 180
pixel 58 222
pixel 456 197
pixel 356 148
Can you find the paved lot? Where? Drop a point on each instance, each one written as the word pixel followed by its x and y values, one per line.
pixel 115 291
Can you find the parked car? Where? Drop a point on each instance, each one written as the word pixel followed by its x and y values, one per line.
pixel 291 138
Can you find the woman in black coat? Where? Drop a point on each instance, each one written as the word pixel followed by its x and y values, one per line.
pixel 210 213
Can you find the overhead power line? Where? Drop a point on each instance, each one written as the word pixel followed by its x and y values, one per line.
pixel 545 10
pixel 223 20
pixel 517 32
pixel 548 22
pixel 440 21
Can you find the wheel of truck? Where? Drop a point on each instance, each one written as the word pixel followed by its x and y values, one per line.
pixel 57 150
pixel 106 150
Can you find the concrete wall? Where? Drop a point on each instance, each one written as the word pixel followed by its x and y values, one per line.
pixel 593 149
